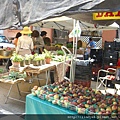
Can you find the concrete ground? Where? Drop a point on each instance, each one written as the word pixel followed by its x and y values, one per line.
pixel 15 106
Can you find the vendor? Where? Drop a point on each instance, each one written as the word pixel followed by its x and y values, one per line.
pixel 91 43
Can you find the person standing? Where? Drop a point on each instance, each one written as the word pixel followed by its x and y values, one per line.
pixel 15 41
pixel 37 42
pixel 47 41
pixel 42 35
pixel 91 43
pixel 25 42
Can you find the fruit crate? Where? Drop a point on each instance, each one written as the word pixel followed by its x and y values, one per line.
pixel 72 107
pixel 42 96
pixel 80 110
pixel 92 110
pixel 49 98
pixel 64 104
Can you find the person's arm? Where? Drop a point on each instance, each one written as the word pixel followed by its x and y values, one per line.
pixel 87 45
pixel 31 45
pixel 15 41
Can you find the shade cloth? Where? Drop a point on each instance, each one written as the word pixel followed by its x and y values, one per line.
pixel 25 12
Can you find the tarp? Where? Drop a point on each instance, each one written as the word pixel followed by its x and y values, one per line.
pixel 25 12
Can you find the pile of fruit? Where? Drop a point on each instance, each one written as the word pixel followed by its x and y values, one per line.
pixel 83 100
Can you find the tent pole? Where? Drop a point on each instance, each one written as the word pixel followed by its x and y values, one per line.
pixel 74 21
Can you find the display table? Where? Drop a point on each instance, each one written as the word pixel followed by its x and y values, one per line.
pixel 13 82
pixel 38 109
pixel 34 105
pixel 56 66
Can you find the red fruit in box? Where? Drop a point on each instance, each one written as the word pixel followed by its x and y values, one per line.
pixel 89 102
pixel 74 103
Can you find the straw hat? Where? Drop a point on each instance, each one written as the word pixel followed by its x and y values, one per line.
pixel 26 30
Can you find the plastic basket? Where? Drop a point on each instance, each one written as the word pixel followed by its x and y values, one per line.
pixel 42 96
pixel 81 110
pixel 72 107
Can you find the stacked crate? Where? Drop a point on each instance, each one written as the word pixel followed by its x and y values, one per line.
pixel 97 55
pixel 83 74
pixel 117 48
pixel 110 57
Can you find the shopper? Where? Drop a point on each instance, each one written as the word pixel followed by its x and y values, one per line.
pixel 25 42
pixel 37 41
pixel 15 41
pixel 42 35
pixel 47 41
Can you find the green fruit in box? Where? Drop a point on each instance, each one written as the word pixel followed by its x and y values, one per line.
pixel 81 110
pixel 109 109
pixel 37 92
pixel 61 89
pixel 114 103
pixel 66 103
pixel 75 95
pixel 54 102
pixel 34 94
pixel 64 92
pixel 114 107
pixel 41 91
pixel 58 102
pixel 118 108
pixel 39 88
pixel 86 106
pixel 102 110
pixel 55 89
pixel 62 98
pixel 56 96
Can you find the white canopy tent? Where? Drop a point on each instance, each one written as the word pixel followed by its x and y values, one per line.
pixel 66 23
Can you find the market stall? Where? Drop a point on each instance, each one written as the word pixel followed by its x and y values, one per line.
pixel 69 98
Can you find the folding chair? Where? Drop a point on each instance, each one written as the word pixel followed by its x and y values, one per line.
pixel 117 80
pixel 108 74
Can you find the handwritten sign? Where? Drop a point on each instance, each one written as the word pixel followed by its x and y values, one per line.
pixel 106 15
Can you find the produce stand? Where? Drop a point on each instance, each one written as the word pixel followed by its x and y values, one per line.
pixel 66 98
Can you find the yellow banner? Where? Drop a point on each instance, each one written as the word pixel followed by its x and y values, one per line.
pixel 106 15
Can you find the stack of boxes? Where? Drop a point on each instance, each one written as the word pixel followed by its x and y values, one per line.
pixel 110 57
pixel 97 55
pixel 83 74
